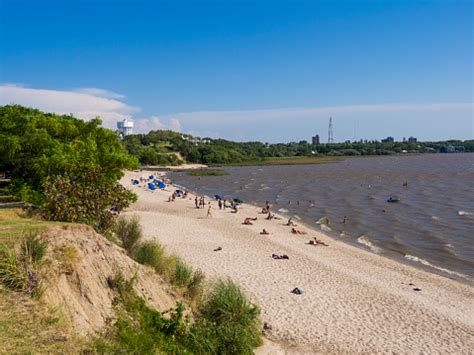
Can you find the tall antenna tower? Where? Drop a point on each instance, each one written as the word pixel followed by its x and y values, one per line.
pixel 330 135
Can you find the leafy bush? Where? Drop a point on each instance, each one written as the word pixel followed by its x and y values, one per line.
pixel 182 274
pixel 152 254
pixel 84 198
pixel 66 167
pixel 232 319
pixel 129 232
pixel 140 329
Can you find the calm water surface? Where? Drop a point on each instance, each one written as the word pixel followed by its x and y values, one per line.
pixel 432 226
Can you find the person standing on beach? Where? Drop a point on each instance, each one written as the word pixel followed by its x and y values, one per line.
pixel 196 202
pixel 209 214
pixel 220 204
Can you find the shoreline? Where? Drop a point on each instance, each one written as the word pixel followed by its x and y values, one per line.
pixel 353 301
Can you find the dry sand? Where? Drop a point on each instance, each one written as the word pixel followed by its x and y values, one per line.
pixel 354 301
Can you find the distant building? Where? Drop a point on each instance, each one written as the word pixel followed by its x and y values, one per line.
pixel 315 140
pixel 125 127
pixel 388 140
pixel 412 140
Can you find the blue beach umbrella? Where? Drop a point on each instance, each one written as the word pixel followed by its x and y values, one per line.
pixel 218 197
pixel 151 177
pixel 161 184
pixel 151 186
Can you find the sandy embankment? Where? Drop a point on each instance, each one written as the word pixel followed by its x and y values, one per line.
pixel 353 301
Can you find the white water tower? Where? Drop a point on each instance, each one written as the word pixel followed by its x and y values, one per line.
pixel 125 127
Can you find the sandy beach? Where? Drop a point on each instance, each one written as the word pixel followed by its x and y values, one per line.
pixel 353 301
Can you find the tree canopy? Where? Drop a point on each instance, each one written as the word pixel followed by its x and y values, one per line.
pixel 37 146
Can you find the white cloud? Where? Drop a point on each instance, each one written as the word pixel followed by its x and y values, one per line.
pixel 144 125
pixel 82 105
pixel 100 93
pixel 175 125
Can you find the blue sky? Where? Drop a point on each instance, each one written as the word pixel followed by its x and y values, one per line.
pixel 246 70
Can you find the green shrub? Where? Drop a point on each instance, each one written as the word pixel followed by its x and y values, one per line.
pixel 149 253
pixel 182 274
pixel 195 287
pixel 13 275
pixel 17 272
pixel 129 232
pixel 86 197
pixel 233 320
pixel 33 248
pixel 226 324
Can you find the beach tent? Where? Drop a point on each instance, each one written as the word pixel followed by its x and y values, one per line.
pixel 151 186
pixel 179 192
pixel 135 182
pixel 161 184
pixel 218 197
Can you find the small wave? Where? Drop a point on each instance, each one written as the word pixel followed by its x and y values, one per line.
pixel 325 228
pixel 465 213
pixel 344 235
pixel 368 243
pixel 282 210
pixel 435 218
pixel 297 217
pixel 264 188
pixel 427 263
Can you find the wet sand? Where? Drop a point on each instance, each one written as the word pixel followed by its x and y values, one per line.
pixel 354 301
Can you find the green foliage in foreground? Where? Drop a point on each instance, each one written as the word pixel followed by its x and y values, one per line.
pixel 18 268
pixel 84 198
pixel 41 150
pixel 226 323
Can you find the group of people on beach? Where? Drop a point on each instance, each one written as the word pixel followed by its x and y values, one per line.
pixel 200 203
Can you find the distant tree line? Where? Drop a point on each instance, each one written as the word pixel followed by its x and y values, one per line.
pixel 171 148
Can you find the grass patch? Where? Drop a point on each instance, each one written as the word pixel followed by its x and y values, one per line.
pixel 232 318
pixel 182 274
pixel 33 248
pixel 14 225
pixel 151 254
pixel 129 232
pixel 66 255
pixel 29 327
pixel 206 172
pixel 18 268
pixel 226 324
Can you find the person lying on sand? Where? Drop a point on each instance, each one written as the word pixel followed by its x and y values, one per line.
pixel 291 223
pixel 264 211
pixel 295 231
pixel 264 232
pixel 317 242
pixel 247 221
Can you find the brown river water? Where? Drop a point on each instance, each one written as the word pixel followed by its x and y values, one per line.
pixel 432 225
